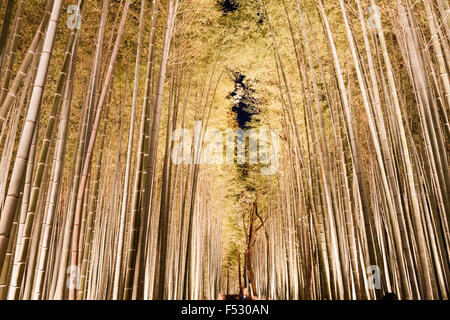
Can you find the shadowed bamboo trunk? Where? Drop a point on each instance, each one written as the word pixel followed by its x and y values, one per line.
pixel 27 134
pixel 90 147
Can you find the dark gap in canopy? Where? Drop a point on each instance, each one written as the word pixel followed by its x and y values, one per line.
pixel 245 105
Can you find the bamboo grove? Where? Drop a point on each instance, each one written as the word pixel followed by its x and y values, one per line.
pixel 93 205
